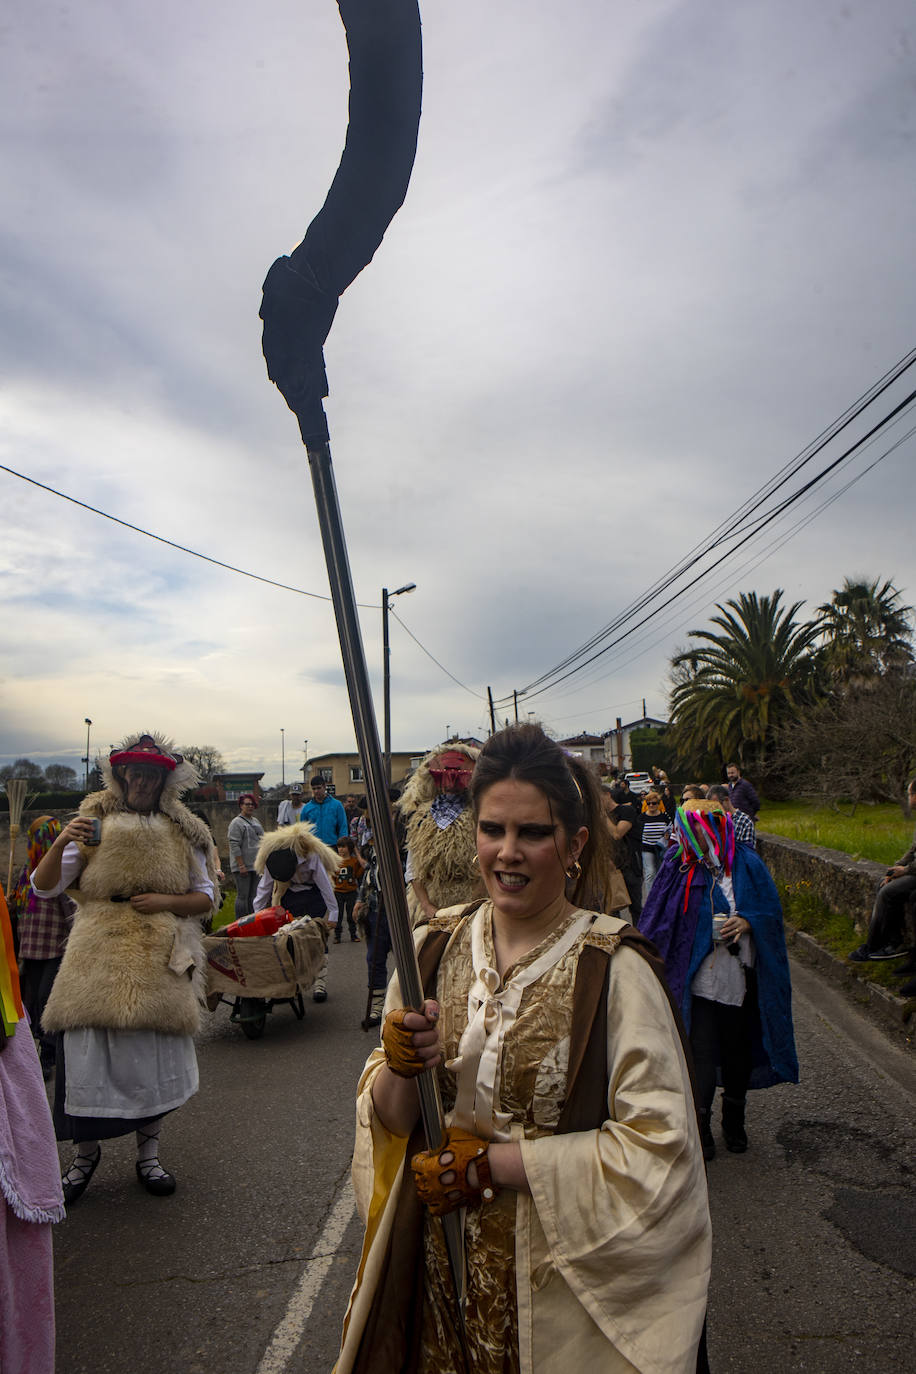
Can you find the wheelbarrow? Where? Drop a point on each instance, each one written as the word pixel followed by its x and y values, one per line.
pixel 255 973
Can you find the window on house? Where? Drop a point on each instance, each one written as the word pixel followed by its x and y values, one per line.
pixel 356 773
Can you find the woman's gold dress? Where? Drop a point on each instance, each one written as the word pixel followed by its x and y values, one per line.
pixel 608 1259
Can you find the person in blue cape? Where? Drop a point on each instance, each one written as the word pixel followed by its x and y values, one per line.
pixel 715 916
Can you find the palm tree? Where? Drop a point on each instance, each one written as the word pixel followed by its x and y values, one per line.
pixel 732 690
pixel 866 631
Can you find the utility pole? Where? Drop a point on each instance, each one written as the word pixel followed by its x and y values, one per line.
pixel 515 700
pixel 282 757
pixel 386 673
pixel 492 712
pixel 88 724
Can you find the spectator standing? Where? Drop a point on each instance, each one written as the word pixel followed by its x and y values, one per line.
pixel 666 792
pixel 325 813
pixel 373 918
pixel 745 829
pixel 656 828
pixel 887 924
pixel 346 883
pixel 742 794
pixel 44 924
pixel 359 823
pixel 288 810
pixel 624 823
pixel 245 835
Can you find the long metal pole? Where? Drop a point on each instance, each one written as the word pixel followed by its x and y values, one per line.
pixel 367 742
pixel 386 684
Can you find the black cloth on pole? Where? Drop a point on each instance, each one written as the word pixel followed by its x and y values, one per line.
pixel 301 291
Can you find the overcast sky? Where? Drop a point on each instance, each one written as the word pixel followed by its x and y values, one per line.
pixel 648 253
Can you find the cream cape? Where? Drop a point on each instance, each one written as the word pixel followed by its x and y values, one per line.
pixel 612 1249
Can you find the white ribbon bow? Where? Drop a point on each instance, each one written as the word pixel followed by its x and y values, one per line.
pixel 492 1009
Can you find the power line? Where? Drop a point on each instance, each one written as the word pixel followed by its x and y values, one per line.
pixel 751 566
pixel 556 675
pixel 160 539
pixel 479 695
pixel 733 523
pixel 218 563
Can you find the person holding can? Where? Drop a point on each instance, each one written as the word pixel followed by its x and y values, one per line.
pixel 126 1002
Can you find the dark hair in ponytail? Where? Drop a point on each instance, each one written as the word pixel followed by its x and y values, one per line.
pixel 524 753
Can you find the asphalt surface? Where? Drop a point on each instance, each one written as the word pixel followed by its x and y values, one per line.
pixel 248 1267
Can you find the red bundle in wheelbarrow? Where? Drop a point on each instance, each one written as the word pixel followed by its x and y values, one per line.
pixel 266 922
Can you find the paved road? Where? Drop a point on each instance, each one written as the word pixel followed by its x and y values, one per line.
pixel 246 1269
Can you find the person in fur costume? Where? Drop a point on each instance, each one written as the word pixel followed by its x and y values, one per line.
pixel 308 890
pixel 440 868
pixel 126 1002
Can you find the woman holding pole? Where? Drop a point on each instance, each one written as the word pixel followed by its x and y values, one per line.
pixel 572 1141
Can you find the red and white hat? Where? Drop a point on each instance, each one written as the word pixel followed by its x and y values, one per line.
pixel 147 751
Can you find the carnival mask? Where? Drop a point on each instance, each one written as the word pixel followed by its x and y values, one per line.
pixel 451 771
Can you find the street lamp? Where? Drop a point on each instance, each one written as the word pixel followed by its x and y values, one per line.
pixel 386 667
pixel 88 724
pixel 282 757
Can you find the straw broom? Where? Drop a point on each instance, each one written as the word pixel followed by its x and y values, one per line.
pixel 15 790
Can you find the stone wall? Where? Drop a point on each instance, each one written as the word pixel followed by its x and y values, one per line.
pixel 844 884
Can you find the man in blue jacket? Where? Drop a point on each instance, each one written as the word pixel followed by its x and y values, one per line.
pixel 325 813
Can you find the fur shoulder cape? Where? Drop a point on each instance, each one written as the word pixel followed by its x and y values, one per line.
pixel 302 840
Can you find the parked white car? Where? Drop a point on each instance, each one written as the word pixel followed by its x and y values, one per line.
pixel 640 783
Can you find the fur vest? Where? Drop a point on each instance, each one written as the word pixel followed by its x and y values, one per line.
pixel 123 970
pixel 443 860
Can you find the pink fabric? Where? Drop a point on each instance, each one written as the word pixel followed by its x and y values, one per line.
pixel 29 1170
pixel 26 1294
pixel 30 1199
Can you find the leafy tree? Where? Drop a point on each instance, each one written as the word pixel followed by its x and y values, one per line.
pixel 206 759
pixel 866 631
pixel 856 746
pixel 650 748
pixel 733 689
pixel 23 768
pixel 60 778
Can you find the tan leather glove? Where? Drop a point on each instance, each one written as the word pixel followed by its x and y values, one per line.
pixel 430 1170
pixel 397 1042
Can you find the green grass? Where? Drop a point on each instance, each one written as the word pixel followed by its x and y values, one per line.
pixel 881 833
pixel 226 913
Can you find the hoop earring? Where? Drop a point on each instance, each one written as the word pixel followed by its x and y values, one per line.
pixel 475 862
pixel 574 872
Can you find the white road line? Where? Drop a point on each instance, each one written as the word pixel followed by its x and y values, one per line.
pixel 288 1334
